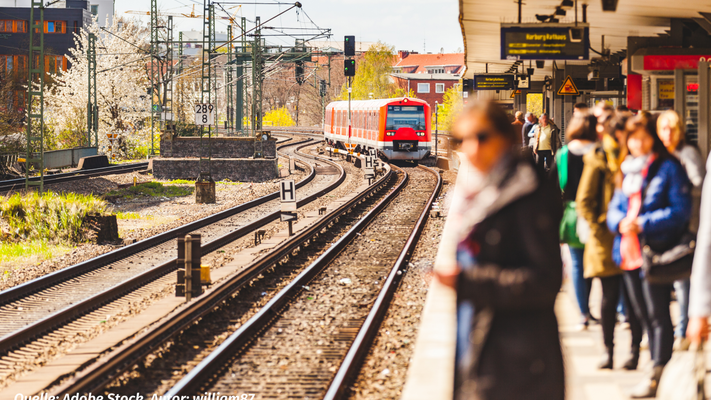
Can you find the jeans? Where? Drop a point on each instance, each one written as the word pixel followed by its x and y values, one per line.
pixel 580 284
pixel 682 297
pixel 635 295
pixel 658 298
pixel 635 324
pixel 465 316
pixel 608 309
pixel 545 159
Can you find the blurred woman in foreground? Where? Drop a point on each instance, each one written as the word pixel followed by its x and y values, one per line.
pixel 500 252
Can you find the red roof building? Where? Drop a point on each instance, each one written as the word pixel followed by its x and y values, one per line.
pixel 428 75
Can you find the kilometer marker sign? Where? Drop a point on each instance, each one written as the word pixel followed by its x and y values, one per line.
pixel 568 88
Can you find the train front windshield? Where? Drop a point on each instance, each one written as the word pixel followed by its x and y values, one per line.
pixel 405 117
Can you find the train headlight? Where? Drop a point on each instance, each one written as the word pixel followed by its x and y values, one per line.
pixel 420 134
pixel 389 133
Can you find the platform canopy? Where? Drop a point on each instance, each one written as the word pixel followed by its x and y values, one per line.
pixel 481 20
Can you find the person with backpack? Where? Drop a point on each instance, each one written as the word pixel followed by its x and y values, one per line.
pixel 569 168
pixel 651 208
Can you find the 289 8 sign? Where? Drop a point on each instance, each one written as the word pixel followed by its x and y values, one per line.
pixel 204 114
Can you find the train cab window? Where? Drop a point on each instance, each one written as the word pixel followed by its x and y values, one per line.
pixel 406 117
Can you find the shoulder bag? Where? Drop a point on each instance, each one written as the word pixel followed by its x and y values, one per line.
pixel 665 267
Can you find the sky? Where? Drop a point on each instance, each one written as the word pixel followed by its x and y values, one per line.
pixel 414 25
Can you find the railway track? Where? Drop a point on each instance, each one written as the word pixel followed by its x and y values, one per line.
pixel 218 304
pixel 292 345
pixel 15 184
pixel 36 309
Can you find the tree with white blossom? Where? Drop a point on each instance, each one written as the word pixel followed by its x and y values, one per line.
pixel 122 82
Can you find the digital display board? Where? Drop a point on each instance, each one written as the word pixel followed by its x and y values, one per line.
pixel 545 42
pixel 494 82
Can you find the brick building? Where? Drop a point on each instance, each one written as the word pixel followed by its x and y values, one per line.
pixel 428 75
pixel 59 26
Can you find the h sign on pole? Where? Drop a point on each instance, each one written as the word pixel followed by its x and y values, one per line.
pixel 369 167
pixel 204 114
pixel 287 194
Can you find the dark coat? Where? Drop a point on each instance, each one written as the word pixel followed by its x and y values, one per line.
pixel 666 207
pixel 515 351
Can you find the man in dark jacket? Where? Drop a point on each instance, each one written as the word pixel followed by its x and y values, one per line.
pixel 531 120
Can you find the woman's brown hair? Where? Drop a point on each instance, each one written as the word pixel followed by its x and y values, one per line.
pixel 582 128
pixel 648 122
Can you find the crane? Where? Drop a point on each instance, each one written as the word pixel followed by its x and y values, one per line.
pixel 185 15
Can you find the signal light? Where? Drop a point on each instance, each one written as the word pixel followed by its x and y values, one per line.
pixel 349 67
pixel 299 69
pixel 349 46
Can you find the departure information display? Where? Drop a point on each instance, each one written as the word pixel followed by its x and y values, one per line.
pixel 494 82
pixel 544 42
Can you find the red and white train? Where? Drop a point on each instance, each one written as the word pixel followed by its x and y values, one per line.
pixel 398 128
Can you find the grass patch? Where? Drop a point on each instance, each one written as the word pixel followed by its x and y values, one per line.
pixel 29 252
pixel 181 182
pixel 187 182
pixel 151 189
pixel 131 215
pixel 48 216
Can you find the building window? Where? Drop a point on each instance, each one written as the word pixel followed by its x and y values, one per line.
pixel 439 87
pixel 94 10
pixel 76 26
pixel 12 26
pixel 55 64
pixel 13 63
pixel 53 27
pixel 423 88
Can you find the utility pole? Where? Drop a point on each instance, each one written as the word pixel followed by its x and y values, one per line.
pixel 180 71
pixel 155 70
pixel 167 110
pixel 436 129
pixel 92 109
pixel 35 98
pixel 240 86
pixel 206 92
pixel 257 66
pixel 229 85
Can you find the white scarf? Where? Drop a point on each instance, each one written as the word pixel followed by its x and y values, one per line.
pixel 632 168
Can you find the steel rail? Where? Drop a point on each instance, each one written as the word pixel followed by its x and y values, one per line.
pixel 103 372
pixel 204 373
pixel 361 345
pixel 77 175
pixel 41 326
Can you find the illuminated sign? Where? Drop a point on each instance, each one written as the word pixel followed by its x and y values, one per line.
pixel 494 82
pixel 545 42
pixel 665 89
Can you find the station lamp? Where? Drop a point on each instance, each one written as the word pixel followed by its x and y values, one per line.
pixel 567 4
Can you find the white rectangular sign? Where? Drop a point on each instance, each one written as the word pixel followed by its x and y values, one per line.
pixel 204 114
pixel 369 166
pixel 287 195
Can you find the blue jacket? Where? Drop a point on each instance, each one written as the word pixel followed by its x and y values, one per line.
pixel 666 208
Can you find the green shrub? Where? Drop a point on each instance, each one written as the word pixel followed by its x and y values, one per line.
pixel 49 216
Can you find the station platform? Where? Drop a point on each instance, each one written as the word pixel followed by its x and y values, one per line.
pixel 431 370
